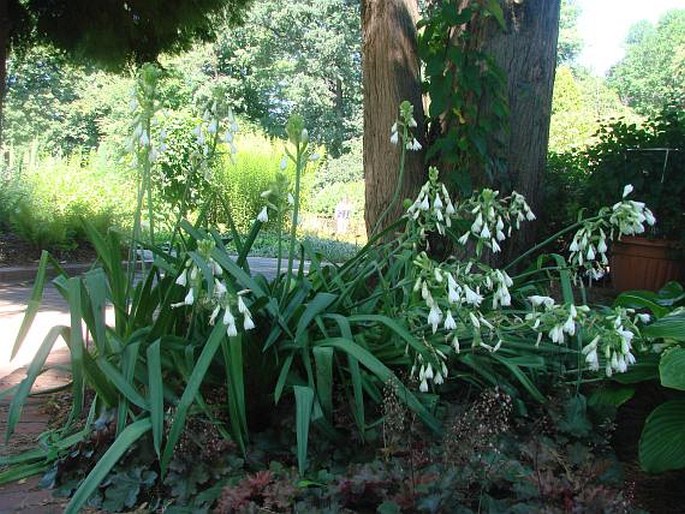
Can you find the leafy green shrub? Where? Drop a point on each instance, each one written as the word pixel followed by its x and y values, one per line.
pixel 652 159
pixel 566 175
pixel 324 344
pixel 346 168
pixel 49 200
pixel 662 443
pixel 244 178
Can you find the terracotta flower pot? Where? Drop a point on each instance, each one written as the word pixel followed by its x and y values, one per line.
pixel 641 263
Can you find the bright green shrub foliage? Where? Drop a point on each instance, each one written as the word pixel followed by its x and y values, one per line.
pixel 45 202
pixel 243 179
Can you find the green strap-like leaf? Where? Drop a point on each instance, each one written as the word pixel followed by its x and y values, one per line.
pixel 323 358
pixel 384 374
pixel 35 368
pixel 121 444
pixel 304 400
pixel 156 392
pixel 194 382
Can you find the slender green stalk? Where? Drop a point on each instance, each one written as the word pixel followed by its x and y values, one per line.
pixel 296 210
pixel 549 240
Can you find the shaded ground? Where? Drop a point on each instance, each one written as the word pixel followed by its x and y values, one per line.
pixel 14 251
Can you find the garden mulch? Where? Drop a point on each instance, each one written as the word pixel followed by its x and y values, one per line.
pixel 26 495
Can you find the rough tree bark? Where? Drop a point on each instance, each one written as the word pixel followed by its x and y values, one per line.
pixel 526 52
pixel 390 74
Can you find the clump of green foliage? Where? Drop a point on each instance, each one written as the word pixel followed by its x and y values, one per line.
pixel 45 201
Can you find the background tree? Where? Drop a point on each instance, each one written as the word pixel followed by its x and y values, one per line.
pixel 580 104
pixel 111 33
pixel 391 74
pixel 651 73
pixel 490 71
pixel 570 39
pixel 302 56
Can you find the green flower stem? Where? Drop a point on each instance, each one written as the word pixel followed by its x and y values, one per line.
pixel 280 244
pixel 300 149
pixel 550 239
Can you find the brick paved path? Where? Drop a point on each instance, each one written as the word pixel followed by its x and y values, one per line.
pixel 25 495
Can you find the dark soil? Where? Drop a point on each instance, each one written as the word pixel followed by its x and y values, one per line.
pixel 14 251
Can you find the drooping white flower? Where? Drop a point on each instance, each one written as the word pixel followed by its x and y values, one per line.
pixel 472 297
pixel 557 334
pixel 423 386
pixel 215 313
pixel 190 298
pixel 570 326
pixel 414 145
pixel 394 137
pixel 592 360
pixel 590 253
pixel 182 279
pixel 248 324
pixel 424 205
pixel 455 344
pixel 242 308
pixel 434 317
pixel 449 324
pixel 627 190
pixel 219 288
pixel 429 372
pixel 437 204
pixel 229 319
pixel 602 246
pixel 263 215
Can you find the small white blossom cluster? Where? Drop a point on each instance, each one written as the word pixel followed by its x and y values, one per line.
pixel 145 109
pixel 216 298
pixel 589 244
pixel 494 218
pixel 425 372
pixel 588 249
pixel 629 216
pixel 454 296
pixel 555 320
pixel 401 129
pixel 433 208
pixel 215 127
pixel 613 342
pixel 612 333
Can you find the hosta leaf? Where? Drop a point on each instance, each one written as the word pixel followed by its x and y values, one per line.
pixel 672 369
pixel 662 445
pixel 668 327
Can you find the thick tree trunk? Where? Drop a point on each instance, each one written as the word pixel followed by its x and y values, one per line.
pixel 526 52
pixel 390 71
